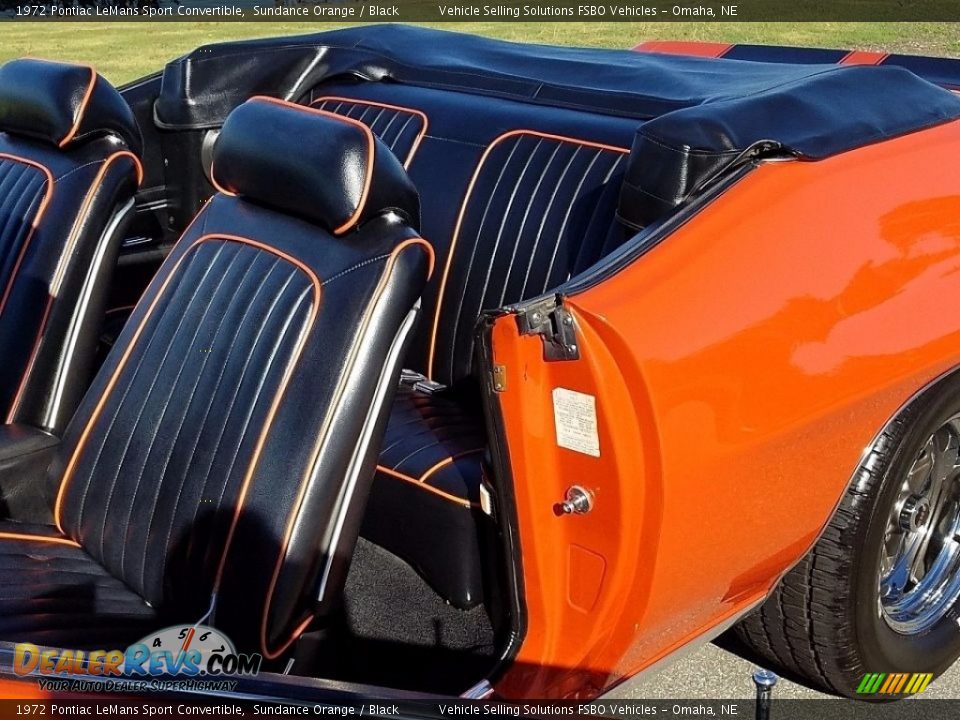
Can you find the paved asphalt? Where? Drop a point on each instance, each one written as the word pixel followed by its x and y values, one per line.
pixel 711 673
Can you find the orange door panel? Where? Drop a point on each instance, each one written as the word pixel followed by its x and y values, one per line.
pixel 739 369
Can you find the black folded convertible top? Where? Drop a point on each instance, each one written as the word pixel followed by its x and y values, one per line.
pixel 688 103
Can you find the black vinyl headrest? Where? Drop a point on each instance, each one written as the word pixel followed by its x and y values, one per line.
pixel 325 168
pixel 63 104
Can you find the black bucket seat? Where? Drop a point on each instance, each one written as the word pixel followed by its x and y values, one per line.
pixel 219 465
pixel 69 169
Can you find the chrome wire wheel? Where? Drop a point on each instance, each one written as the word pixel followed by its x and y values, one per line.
pixel 919 576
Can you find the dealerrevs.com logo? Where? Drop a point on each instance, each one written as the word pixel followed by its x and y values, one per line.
pixel 187 651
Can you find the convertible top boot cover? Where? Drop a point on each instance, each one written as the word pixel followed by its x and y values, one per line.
pixel 219 465
pixel 69 168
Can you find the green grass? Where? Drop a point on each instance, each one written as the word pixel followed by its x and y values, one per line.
pixel 124 51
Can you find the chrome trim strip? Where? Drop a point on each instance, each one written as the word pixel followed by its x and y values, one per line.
pixel 76 321
pixel 385 383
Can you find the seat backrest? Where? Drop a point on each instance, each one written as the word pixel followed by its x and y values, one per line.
pixel 227 445
pixel 517 198
pixel 69 169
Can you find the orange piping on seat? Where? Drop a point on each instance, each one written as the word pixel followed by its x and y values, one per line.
pixel 18 398
pixel 74 458
pixel 400 108
pixel 424 244
pixel 78 118
pixel 429 488
pixel 297 632
pixel 463 207
pixel 38 538
pixel 448 461
pixel 41 209
pixel 61 269
pixel 84 208
pixel 321 438
pixel 371 149
pixel 217 186
pixel 277 397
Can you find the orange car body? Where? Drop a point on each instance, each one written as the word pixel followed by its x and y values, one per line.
pixel 740 369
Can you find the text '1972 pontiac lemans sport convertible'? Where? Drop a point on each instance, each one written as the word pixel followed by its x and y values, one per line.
pixel 426 362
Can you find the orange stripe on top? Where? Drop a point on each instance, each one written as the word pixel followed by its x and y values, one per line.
pixel 682 47
pixel 39 538
pixel 463 210
pixel 863 57
pixel 321 439
pixel 78 117
pixel 371 149
pixel 425 121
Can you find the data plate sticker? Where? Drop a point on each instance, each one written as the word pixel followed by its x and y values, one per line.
pixel 575 417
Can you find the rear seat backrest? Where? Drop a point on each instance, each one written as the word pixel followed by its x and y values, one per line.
pixel 537 210
pixel 517 198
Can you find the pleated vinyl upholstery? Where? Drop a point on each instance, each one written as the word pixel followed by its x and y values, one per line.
pixel 158 476
pixel 539 209
pixel 400 129
pixel 22 187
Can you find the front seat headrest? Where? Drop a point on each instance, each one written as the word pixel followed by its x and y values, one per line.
pixel 325 168
pixel 63 104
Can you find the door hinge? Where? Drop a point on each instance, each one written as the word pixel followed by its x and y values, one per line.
pixel 499 378
pixel 555 325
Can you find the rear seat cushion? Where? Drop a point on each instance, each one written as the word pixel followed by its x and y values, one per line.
pixel 425 505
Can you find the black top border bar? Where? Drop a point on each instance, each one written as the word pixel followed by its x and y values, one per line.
pixel 360 11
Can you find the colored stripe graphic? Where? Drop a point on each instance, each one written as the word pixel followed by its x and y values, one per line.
pixel 894 683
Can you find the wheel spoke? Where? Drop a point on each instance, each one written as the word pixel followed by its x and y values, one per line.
pixel 904 567
pixel 919 473
pixel 939 490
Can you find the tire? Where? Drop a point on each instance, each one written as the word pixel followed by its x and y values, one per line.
pixel 826 623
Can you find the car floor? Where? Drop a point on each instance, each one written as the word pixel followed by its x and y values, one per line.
pixel 395 631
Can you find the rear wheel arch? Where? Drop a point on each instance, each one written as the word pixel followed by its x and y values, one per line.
pixel 815 624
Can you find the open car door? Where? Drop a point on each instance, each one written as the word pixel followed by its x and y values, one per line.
pixel 674 432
